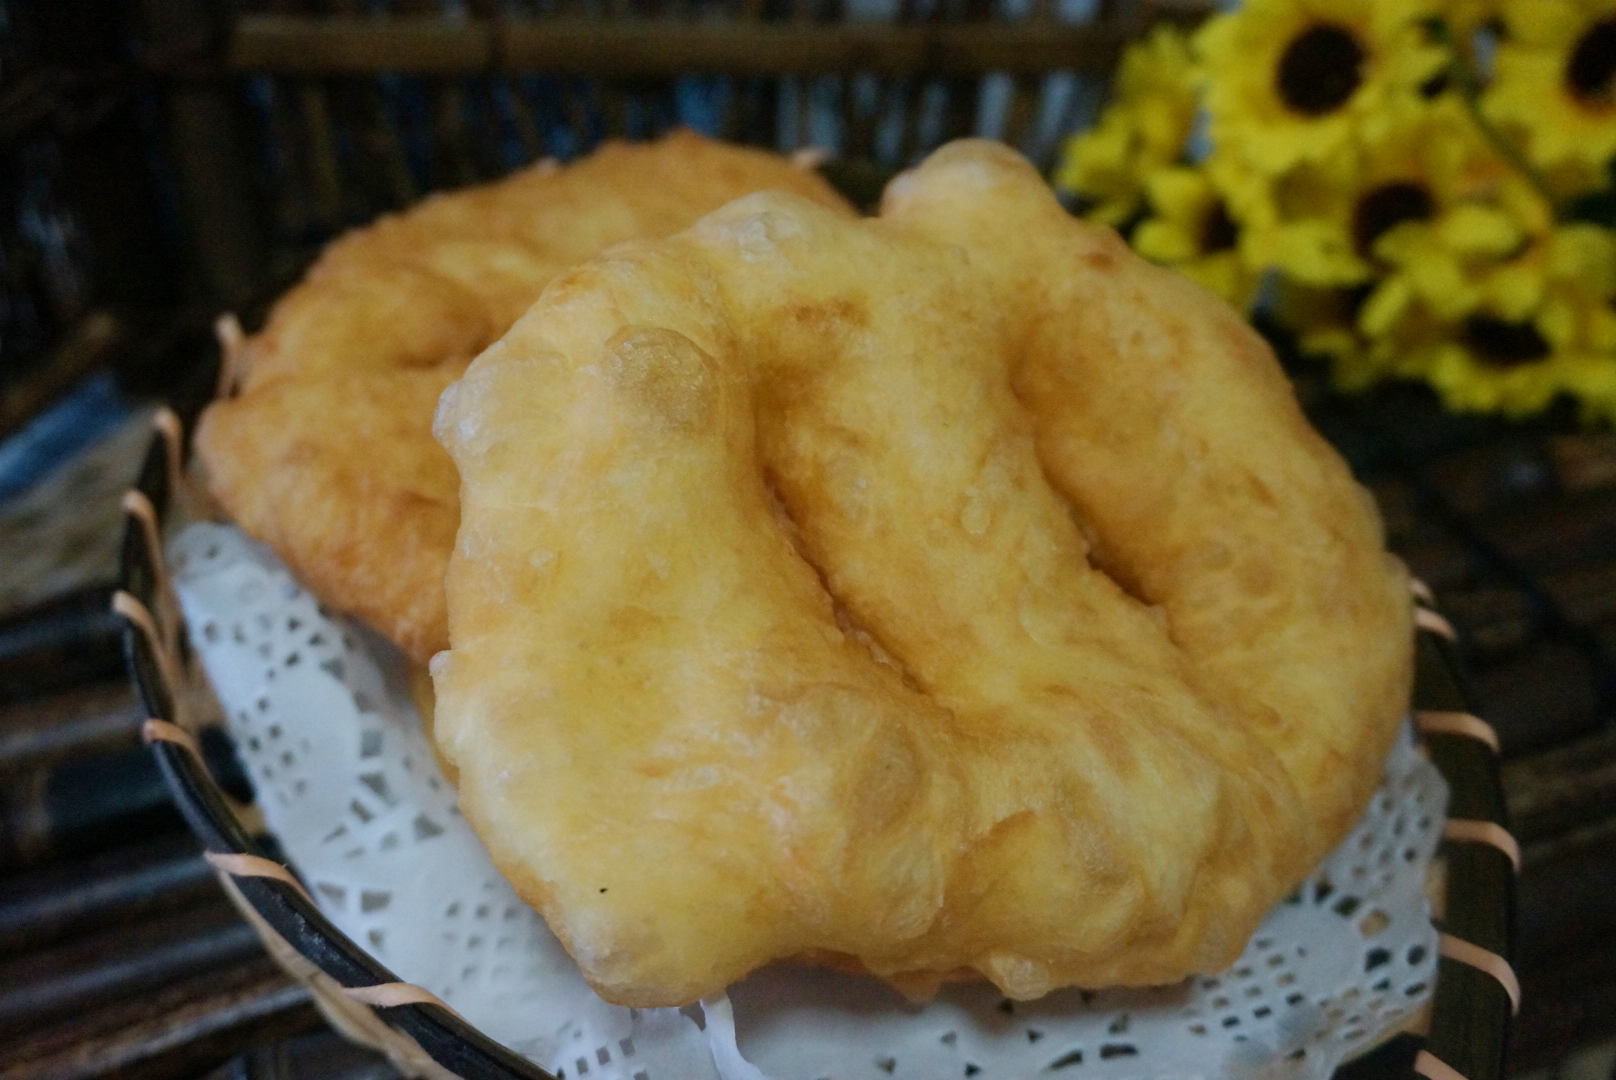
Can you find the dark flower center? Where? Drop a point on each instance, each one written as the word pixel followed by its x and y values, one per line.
pixel 1218 230
pixel 1437 84
pixel 1382 209
pixel 1504 344
pixel 1591 71
pixel 1321 69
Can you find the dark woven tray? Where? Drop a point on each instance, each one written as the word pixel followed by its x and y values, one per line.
pixel 1471 1010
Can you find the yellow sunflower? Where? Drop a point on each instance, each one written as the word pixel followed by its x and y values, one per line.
pixel 1427 162
pixel 1144 128
pixel 1448 266
pixel 1554 85
pixel 1500 355
pixel 1511 349
pixel 1293 224
pixel 1192 230
pixel 1487 265
pixel 1102 167
pixel 1518 368
pixel 1290 81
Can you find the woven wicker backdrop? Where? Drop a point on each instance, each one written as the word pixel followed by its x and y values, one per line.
pixel 195 154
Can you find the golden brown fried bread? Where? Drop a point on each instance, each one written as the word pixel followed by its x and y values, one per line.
pixel 334 474
pixel 328 456
pixel 777 629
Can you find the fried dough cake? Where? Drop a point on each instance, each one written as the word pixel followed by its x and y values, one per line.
pixel 950 591
pixel 327 454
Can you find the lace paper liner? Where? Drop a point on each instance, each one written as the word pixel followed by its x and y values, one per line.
pixel 322 717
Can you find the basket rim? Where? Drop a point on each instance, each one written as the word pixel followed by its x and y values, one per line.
pixel 1471 1008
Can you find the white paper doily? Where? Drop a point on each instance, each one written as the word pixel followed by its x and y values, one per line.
pixel 321 715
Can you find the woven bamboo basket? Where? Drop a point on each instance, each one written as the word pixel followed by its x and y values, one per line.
pixel 1468 1020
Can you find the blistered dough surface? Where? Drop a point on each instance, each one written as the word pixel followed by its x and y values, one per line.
pixel 945 592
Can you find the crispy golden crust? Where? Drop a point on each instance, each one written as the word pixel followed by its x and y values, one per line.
pixel 328 456
pixel 777 628
pixel 334 473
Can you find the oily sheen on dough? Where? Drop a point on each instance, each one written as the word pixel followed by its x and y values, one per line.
pixel 948 592
pixel 327 454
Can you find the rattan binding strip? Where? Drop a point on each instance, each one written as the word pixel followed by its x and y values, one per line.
pixel 1467 831
pixel 1485 961
pixel 167 423
pixel 136 613
pixel 1429 1065
pixel 155 730
pixel 1440 722
pixel 237 864
pixel 1426 619
pixel 393 994
pixel 232 354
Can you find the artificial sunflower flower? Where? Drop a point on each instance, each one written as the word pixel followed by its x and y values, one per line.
pixel 1291 81
pixel 1518 368
pixel 1483 265
pixel 1101 169
pixel 1500 355
pixel 1553 91
pixel 1521 331
pixel 1293 223
pixel 1428 164
pixel 1191 229
pixel 1394 225
pixel 1437 264
pixel 1144 128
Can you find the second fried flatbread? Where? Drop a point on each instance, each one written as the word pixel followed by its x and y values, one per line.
pixel 327 454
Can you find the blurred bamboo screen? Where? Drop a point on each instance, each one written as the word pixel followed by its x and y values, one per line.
pixel 361 107
pixel 196 153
